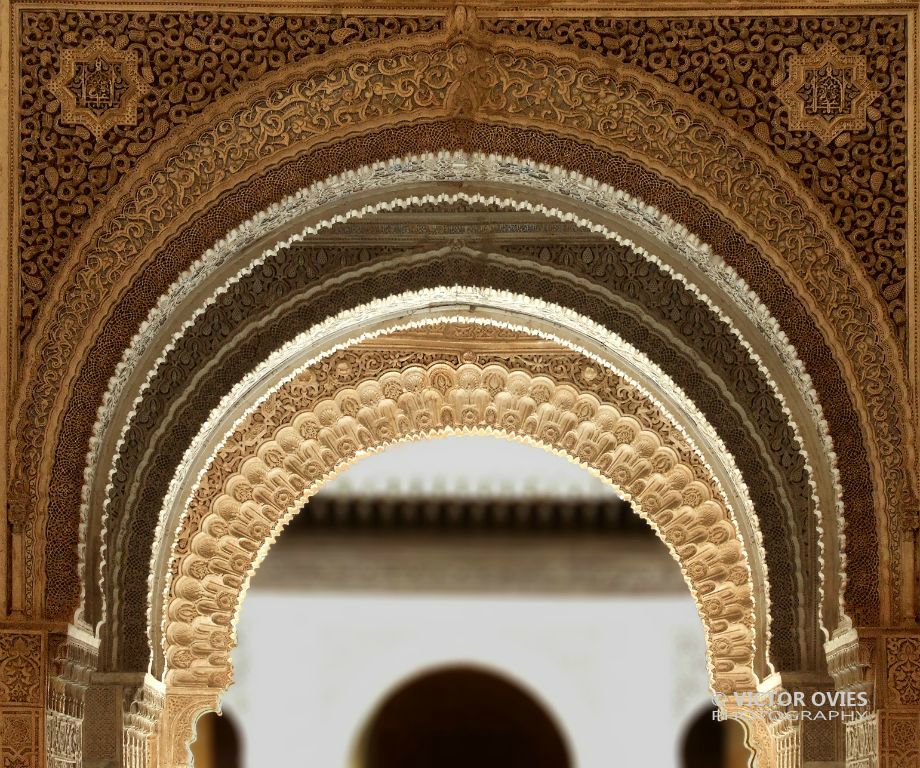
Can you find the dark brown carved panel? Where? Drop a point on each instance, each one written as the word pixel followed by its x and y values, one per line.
pixel 737 63
pixel 188 60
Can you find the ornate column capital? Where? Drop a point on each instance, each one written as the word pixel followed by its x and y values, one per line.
pixel 851 660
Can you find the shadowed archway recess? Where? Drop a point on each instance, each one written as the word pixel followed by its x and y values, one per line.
pixel 381 391
pixel 440 265
pixel 457 717
pixel 833 318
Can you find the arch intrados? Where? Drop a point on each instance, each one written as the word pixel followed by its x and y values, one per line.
pixel 732 632
pixel 472 298
pixel 629 223
pixel 424 308
pixel 749 681
pixel 641 224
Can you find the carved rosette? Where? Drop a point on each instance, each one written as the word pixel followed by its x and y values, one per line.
pixel 99 87
pixel 827 92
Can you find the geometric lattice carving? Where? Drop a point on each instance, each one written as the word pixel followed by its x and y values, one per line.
pixel 827 92
pixel 98 87
pixel 329 413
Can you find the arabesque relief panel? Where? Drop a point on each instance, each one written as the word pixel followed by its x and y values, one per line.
pixel 184 61
pixel 879 394
pixel 100 92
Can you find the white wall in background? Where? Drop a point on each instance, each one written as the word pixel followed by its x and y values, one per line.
pixel 622 677
pixel 462 466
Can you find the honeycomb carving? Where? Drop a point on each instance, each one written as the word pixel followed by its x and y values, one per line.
pixel 360 400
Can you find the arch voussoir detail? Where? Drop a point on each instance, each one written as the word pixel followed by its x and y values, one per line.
pixel 327 416
pixel 488 81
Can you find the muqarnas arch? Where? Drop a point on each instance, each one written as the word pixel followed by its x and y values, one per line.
pixel 378 392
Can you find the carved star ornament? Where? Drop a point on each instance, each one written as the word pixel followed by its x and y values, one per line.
pixel 827 92
pixel 98 87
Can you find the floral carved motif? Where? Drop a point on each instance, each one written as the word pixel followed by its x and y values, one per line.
pixel 827 92
pixel 625 104
pixel 903 669
pixel 20 668
pixel 19 746
pixel 330 412
pixel 98 87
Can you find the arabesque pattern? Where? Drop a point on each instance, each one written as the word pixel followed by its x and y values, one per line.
pixel 624 108
pixel 355 400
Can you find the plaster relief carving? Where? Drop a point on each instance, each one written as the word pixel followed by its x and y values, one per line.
pixel 134 569
pixel 99 87
pixel 361 400
pixel 904 670
pixel 827 92
pixel 523 66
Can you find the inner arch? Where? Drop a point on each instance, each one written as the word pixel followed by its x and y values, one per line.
pixel 330 414
pixel 601 348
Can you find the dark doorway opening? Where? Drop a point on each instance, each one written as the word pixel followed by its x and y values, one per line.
pixel 461 717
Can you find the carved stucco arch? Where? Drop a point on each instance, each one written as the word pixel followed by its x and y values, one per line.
pixel 299 435
pixel 770 207
pixel 674 235
pixel 566 340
